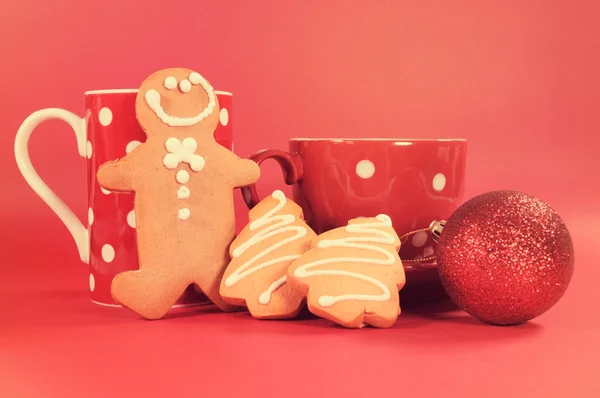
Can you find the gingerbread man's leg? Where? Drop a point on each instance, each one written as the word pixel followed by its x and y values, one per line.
pixel 209 283
pixel 148 293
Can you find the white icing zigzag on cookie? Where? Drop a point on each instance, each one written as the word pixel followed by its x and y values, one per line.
pixel 280 224
pixel 357 242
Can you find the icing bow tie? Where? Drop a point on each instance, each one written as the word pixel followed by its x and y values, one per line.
pixel 182 152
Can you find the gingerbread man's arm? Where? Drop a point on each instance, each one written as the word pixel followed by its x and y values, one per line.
pixel 116 175
pixel 247 173
pixel 243 172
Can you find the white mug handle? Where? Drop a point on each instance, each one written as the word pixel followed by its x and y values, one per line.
pixel 75 227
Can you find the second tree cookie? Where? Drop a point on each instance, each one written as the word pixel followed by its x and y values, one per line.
pixel 352 275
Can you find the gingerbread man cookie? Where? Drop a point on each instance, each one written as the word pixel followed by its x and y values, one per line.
pixel 261 255
pixel 183 182
pixel 352 275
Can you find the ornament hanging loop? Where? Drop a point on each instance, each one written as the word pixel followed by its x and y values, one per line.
pixel 436 228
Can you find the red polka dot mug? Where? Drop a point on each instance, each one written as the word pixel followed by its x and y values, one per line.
pixel 414 181
pixel 109 130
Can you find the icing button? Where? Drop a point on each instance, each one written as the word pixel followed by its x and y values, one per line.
pixel 183 214
pixel 182 176
pixel 183 192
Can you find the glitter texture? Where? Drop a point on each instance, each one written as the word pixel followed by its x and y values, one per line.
pixel 505 257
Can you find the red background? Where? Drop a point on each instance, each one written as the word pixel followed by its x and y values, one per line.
pixel 519 79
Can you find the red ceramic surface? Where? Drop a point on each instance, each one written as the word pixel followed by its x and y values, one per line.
pixel 108 243
pixel 414 181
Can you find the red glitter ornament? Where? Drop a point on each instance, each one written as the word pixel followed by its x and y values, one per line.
pixel 504 257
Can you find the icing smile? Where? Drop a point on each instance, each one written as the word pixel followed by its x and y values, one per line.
pixel 152 97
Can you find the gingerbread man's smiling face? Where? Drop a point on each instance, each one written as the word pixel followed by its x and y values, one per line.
pixel 177 99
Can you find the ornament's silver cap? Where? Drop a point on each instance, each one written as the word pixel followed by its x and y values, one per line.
pixel 436 228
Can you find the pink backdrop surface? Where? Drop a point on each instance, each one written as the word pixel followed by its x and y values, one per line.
pixel 518 79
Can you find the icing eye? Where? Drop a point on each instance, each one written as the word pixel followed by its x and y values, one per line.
pixel 170 83
pixel 185 85
pixel 195 78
